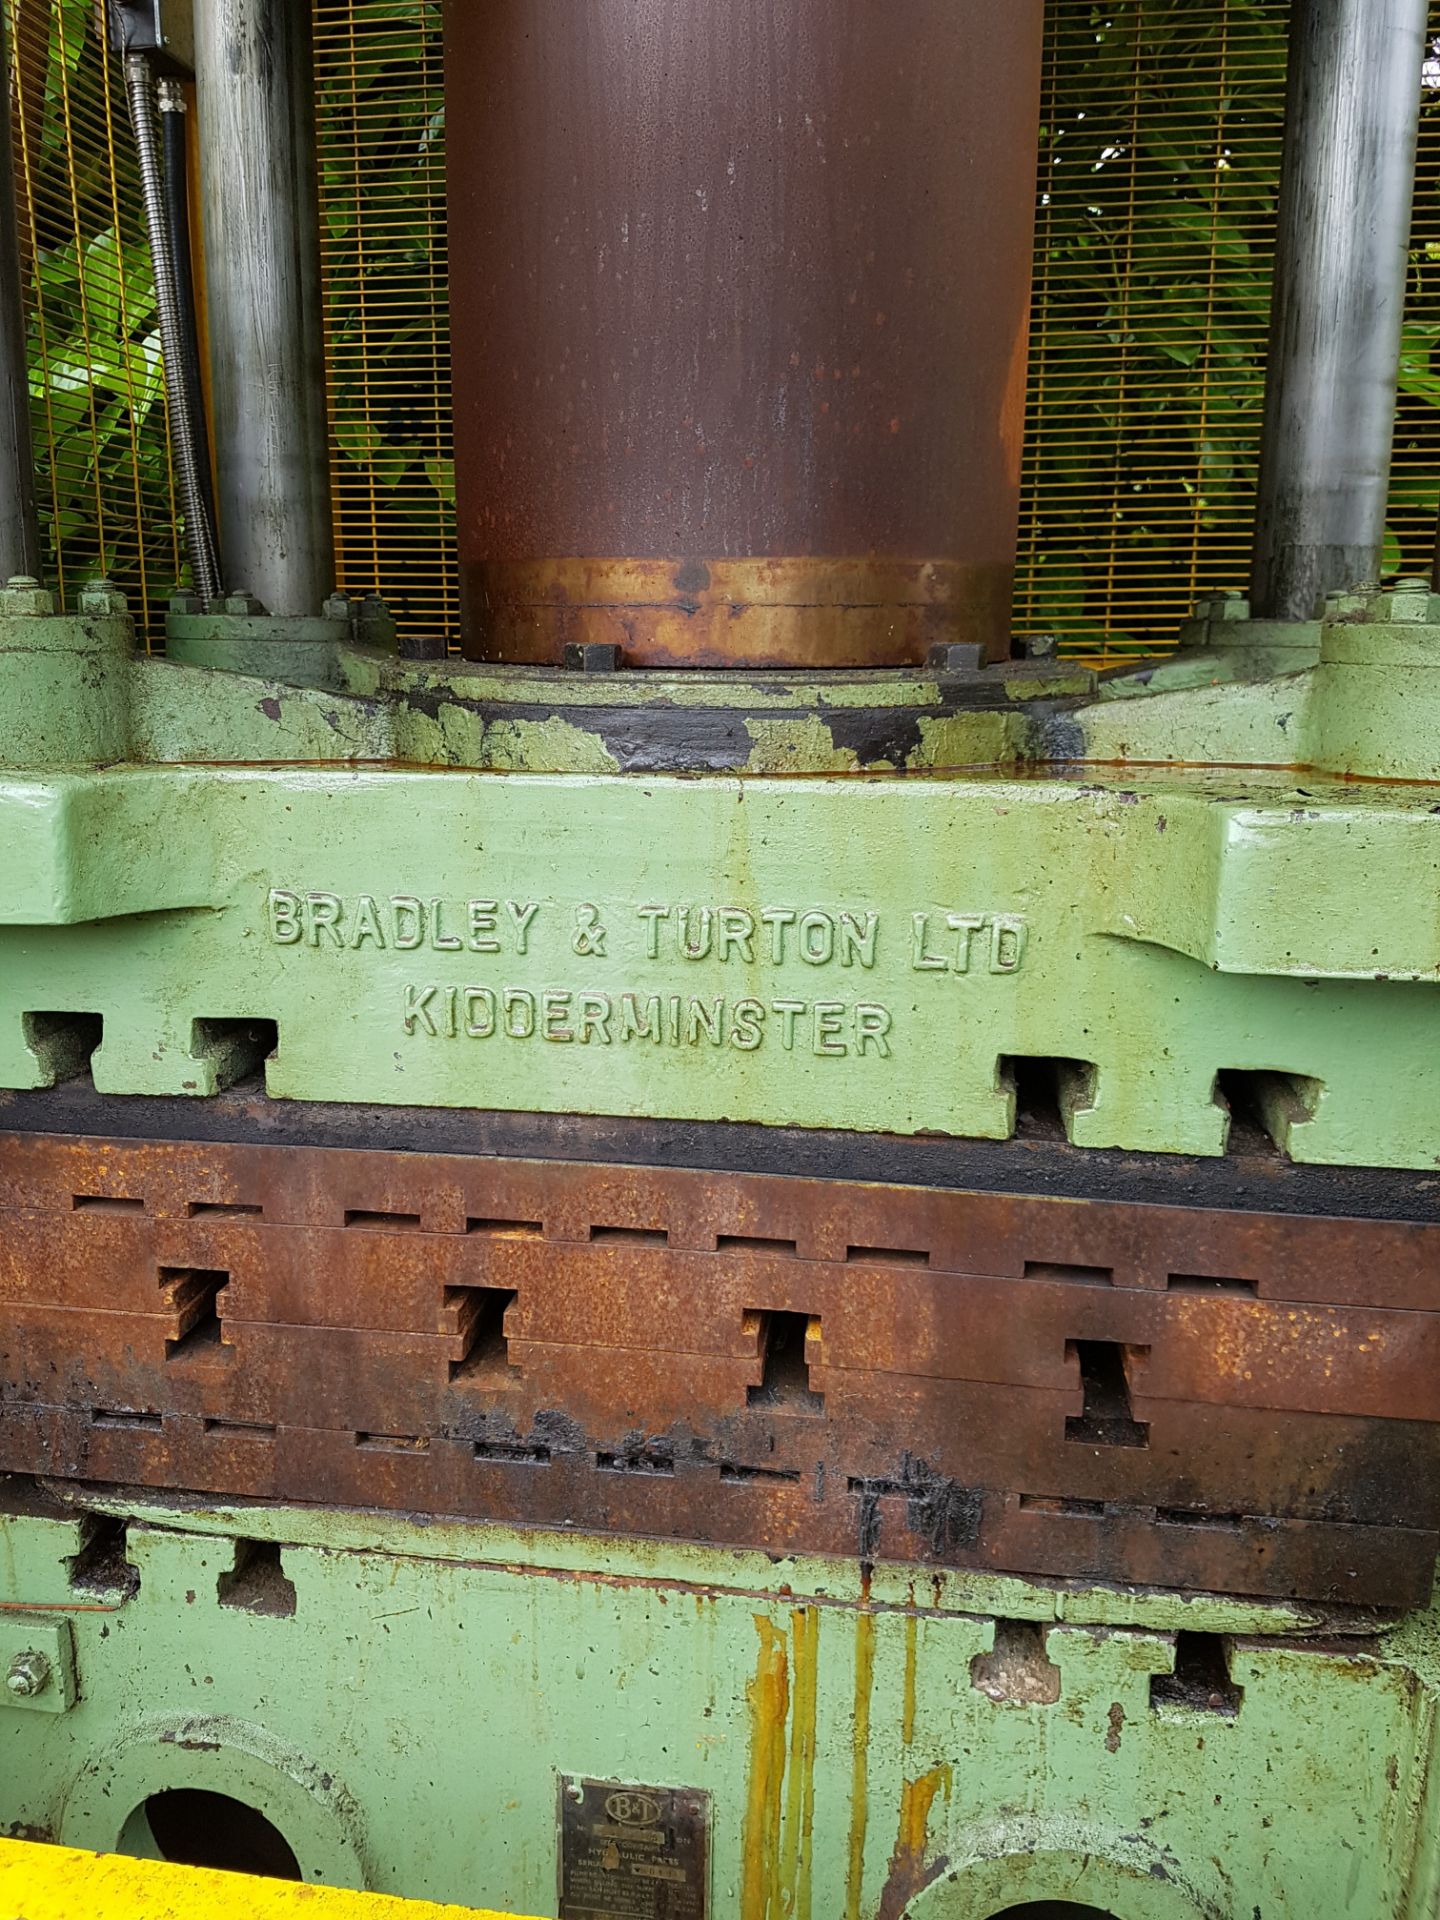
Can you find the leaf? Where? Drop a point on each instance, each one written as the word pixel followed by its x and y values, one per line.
pixel 359 440
pixel 393 462
pixel 70 23
pixel 441 474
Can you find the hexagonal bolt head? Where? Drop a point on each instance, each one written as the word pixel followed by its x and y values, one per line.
pixel 103 600
pixel 23 595
pixel 338 607
pixel 186 603
pixel 374 623
pixel 592 656
pixel 1223 606
pixel 244 605
pixel 956 656
pixel 29 1674
pixel 1410 602
pixel 423 646
pixel 1035 646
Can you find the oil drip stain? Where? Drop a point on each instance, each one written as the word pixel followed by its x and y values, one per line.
pixel 907 1719
pixel 796 1849
pixel 768 1693
pixel 860 1775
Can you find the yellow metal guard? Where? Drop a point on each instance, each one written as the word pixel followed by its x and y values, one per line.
pixel 55 1883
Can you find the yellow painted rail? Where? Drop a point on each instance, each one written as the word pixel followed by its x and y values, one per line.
pixel 54 1883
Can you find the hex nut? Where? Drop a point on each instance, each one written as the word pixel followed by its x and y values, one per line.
pixel 1038 646
pixel 23 595
pixel 1223 606
pixel 422 646
pixel 1407 603
pixel 28 1675
pixel 592 656
pixel 102 599
pixel 956 656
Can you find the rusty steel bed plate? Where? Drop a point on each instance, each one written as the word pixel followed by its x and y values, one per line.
pixel 1165 1395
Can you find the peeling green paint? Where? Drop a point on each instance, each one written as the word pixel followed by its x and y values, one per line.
pixel 1156 889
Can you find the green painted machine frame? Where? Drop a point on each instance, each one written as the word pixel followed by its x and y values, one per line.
pixel 860 902
pixel 854 902
pixel 945 1748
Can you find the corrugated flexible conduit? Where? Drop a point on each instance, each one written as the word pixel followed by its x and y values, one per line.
pixel 181 374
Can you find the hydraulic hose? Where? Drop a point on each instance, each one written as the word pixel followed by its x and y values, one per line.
pixel 176 154
pixel 199 527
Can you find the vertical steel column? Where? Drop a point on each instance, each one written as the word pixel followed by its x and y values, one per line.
pixel 258 181
pixel 1346 192
pixel 19 532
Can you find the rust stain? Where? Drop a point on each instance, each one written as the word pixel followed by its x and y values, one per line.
pixel 907 1720
pixel 52 1606
pixel 1116 1722
pixel 768 1693
pixel 796 1850
pixel 860 1765
pixel 908 1873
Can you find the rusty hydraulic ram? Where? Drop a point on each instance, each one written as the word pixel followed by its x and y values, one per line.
pixel 740 309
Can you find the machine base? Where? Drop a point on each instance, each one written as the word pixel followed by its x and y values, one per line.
pixel 406 1702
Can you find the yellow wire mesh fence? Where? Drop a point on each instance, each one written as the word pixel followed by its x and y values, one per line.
pixel 1162 125
pixel 96 377
pixel 382 184
pixel 1160 159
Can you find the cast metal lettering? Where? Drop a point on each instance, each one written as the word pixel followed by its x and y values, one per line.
pixel 788 939
pixel 829 1029
pixel 399 922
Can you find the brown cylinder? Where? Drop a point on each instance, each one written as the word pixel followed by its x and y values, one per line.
pixel 740 292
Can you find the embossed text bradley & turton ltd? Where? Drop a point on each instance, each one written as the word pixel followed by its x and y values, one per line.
pixel 933 942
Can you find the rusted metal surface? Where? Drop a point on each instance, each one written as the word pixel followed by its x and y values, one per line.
pixel 1252 1178
pixel 911 1516
pixel 1045 1386
pixel 787 613
pixel 1282 1255
pixel 740 322
pixel 882 1314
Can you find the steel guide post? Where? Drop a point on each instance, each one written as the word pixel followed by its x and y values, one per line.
pixel 1353 113
pixel 258 185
